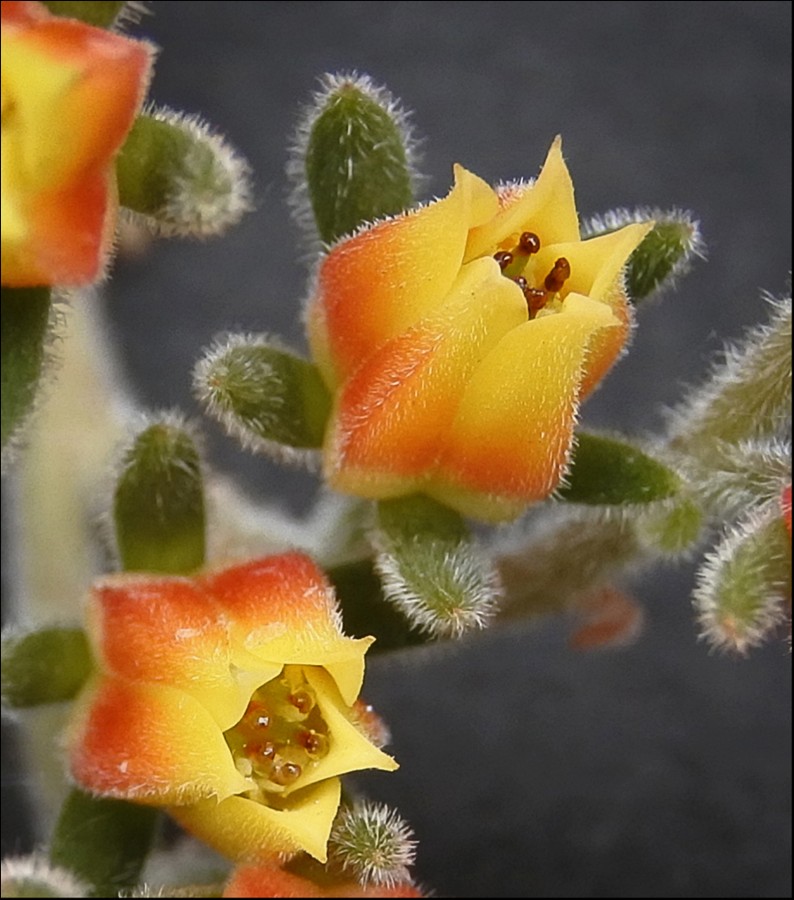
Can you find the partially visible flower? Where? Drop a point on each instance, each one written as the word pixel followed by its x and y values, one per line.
pixel 231 699
pixel 271 880
pixel 460 338
pixel 70 93
pixel 785 507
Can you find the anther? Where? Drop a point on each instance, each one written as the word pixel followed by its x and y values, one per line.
pixel 521 282
pixel 536 300
pixel 558 275
pixel 504 258
pixel 529 242
pixel 302 701
pixel 285 772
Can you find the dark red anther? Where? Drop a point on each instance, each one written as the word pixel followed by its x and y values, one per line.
pixel 558 275
pixel 536 300
pixel 504 258
pixel 521 282
pixel 529 242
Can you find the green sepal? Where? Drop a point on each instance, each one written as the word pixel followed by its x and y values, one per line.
pixel 158 504
pixel 47 666
pixel 431 567
pixel 611 472
pixel 356 160
pixel 102 13
pixel 264 394
pixel 103 841
pixel 25 314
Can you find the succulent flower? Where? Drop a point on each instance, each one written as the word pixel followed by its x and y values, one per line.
pixel 231 699
pixel 70 95
pixel 459 339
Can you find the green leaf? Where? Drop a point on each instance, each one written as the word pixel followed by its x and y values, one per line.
pixel 46 666
pixel 103 841
pixel 264 396
pixel 664 254
pixel 25 314
pixel 101 13
pixel 186 179
pixel 356 156
pixel 158 507
pixel 611 472
pixel 744 584
pixel 431 568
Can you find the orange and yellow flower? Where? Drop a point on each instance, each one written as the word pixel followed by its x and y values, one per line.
pixel 70 94
pixel 231 699
pixel 785 506
pixel 460 338
pixel 271 880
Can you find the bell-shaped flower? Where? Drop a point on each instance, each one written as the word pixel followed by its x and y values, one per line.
pixel 70 94
pixel 459 339
pixel 231 699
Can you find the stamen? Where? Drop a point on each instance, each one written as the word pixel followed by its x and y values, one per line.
pixel 504 258
pixel 302 701
pixel 558 275
pixel 536 300
pixel 529 242
pixel 285 772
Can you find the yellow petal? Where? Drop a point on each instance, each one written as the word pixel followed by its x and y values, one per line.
pixel 546 207
pixel 377 283
pixel 512 434
pixel 150 744
pixel 244 829
pixel 393 415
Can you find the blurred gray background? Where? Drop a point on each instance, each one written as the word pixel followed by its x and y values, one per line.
pixel 659 770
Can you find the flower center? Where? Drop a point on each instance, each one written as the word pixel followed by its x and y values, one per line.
pixel 513 262
pixel 281 735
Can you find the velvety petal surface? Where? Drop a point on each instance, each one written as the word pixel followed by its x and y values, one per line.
pixel 243 829
pixel 149 743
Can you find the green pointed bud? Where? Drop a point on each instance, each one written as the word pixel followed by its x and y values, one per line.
pixel 103 841
pixel 25 316
pixel 665 253
pixel 271 400
pixel 748 393
pixel 431 568
pixel 182 177
pixel 352 159
pixel 36 876
pixel 102 13
pixel 158 505
pixel 611 472
pixel 46 666
pixel 674 527
pixel 371 842
pixel 744 583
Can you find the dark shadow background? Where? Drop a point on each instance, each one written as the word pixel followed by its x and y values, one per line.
pixel 661 770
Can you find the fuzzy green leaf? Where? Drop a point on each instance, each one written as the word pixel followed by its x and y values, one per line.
pixel 186 179
pixel 25 314
pixel 431 568
pixel 665 253
pixel 264 396
pixel 611 472
pixel 102 13
pixel 46 666
pixel 356 159
pixel 744 583
pixel 103 841
pixel 158 507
